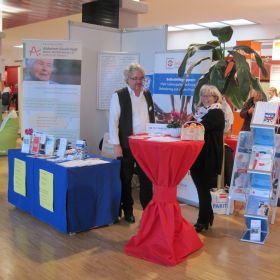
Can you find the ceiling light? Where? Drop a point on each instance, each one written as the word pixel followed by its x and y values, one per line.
pixel 214 24
pixel 174 28
pixel 237 22
pixel 190 26
pixel 18 46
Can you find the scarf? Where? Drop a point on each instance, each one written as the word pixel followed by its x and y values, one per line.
pixel 202 111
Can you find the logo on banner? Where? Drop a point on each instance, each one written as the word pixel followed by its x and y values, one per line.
pixel 170 63
pixel 35 51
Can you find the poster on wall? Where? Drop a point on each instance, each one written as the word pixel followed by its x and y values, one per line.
pixel 110 75
pixel 276 50
pixel 167 83
pixel 52 87
pixel 275 76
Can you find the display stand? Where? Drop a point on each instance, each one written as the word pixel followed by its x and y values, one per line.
pixel 239 180
pixel 256 172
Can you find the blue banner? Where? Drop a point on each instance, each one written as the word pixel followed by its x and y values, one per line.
pixel 170 83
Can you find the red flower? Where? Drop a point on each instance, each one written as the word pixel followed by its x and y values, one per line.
pixel 28 131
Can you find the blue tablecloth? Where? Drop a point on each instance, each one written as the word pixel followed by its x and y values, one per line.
pixel 22 202
pixel 84 197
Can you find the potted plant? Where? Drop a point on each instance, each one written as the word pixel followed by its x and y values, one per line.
pixel 230 73
pixel 174 124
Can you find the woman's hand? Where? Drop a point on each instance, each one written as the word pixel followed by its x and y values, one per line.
pixel 251 110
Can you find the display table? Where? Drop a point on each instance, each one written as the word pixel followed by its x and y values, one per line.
pixel 164 237
pixel 83 197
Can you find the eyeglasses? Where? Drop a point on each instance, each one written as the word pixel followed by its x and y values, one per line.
pixel 206 95
pixel 141 79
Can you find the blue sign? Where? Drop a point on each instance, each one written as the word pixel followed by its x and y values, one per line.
pixel 170 83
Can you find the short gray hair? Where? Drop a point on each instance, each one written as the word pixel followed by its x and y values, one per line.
pixel 132 68
pixel 212 90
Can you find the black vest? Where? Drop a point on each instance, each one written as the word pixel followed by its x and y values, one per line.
pixel 125 122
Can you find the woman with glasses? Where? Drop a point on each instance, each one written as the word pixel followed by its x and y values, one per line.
pixel 130 110
pixel 209 162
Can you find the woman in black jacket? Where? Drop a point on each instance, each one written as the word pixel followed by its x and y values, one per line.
pixel 209 162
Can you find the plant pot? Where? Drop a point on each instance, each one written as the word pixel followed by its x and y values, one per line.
pixel 174 132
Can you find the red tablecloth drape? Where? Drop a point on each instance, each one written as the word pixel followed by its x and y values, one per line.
pixel 164 237
pixel 231 140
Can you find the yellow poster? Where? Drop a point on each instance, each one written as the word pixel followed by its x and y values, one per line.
pixel 46 190
pixel 19 176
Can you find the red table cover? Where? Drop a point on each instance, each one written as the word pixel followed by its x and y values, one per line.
pixel 164 236
pixel 231 140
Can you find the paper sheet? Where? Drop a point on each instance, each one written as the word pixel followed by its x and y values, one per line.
pixel 86 162
pixel 20 176
pixel 46 190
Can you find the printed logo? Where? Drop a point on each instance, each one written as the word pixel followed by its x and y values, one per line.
pixel 35 51
pixel 169 63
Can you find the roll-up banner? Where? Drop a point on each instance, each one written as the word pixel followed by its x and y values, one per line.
pixel 52 87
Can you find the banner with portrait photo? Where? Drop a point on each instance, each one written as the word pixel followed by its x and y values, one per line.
pixel 167 83
pixel 52 87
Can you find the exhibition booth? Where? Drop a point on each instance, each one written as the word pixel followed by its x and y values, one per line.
pixel 80 190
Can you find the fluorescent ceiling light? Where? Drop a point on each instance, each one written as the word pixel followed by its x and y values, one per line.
pixel 174 28
pixel 190 26
pixel 234 22
pixel 213 24
pixel 237 22
pixel 18 46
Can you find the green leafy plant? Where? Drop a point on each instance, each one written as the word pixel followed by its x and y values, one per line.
pixel 229 73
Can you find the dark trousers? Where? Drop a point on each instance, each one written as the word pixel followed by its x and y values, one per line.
pixel 127 171
pixel 203 185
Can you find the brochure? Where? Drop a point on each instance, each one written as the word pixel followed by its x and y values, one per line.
pixel 242 160
pixel 261 158
pixel 35 146
pixel 260 181
pixel 239 185
pixel 258 203
pixel 50 145
pixel 62 147
pixel 264 136
pixel 80 147
pixel 245 142
pixel 255 234
pixel 26 144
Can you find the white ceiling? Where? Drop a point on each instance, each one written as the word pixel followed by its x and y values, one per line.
pixel 194 11
pixel 159 11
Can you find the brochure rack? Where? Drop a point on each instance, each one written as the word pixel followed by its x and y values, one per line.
pixel 256 172
pixel 239 180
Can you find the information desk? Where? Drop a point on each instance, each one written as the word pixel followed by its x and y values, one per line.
pixel 164 236
pixel 83 197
